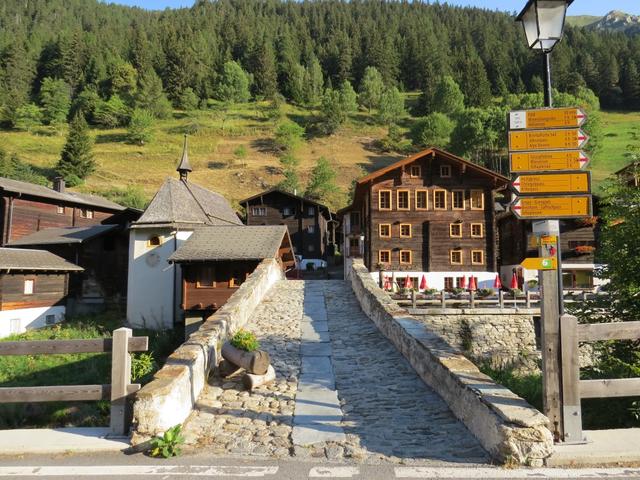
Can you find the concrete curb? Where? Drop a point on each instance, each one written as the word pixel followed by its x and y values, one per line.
pixel 59 440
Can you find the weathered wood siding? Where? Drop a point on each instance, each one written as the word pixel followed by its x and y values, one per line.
pixel 297 223
pixel 430 241
pixel 48 290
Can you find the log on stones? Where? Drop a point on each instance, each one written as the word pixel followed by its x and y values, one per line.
pixel 226 368
pixel 253 362
pixel 252 381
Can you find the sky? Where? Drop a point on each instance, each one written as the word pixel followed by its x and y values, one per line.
pixel 579 7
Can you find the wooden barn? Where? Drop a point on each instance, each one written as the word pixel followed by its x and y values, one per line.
pixel 429 214
pixel 311 225
pixel 33 289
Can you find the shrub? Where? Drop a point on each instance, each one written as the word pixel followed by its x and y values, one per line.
pixel 245 340
pixel 28 117
pixel 485 292
pixel 139 130
pixel 168 445
pixel 112 113
pixel 289 135
pixel 142 367
pixel 188 100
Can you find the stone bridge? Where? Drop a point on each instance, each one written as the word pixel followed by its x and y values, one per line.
pixel 357 378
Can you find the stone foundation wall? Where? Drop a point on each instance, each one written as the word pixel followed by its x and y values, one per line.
pixel 169 398
pixel 504 424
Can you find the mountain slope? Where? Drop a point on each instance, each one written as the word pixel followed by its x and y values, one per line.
pixel 617 21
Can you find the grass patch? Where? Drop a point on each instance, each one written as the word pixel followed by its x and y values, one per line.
pixel 73 369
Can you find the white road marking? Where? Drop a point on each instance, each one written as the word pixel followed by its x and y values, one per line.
pixel 137 470
pixel 333 472
pixel 533 473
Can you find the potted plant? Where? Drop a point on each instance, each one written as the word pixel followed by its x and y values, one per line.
pixel 430 292
pixel 243 350
pixel 457 292
pixel 485 292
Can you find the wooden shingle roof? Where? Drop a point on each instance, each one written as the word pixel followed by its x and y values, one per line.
pixel 34 260
pixel 52 236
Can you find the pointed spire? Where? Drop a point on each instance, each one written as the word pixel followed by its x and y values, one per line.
pixel 184 168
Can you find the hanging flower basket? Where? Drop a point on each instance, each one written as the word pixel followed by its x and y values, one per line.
pixel 584 249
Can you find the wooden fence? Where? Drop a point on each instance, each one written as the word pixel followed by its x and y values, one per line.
pixel 574 389
pixel 502 300
pixel 118 391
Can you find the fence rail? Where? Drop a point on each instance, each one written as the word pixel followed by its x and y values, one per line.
pixel 118 391
pixel 574 389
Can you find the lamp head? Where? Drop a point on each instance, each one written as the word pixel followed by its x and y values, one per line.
pixel 543 22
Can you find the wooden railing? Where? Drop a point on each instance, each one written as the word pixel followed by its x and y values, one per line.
pixel 118 391
pixel 574 389
pixel 470 300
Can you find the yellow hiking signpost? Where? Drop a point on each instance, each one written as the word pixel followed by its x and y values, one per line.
pixel 556 139
pixel 545 208
pixel 573 182
pixel 540 263
pixel 547 118
pixel 548 161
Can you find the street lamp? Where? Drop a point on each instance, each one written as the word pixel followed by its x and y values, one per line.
pixel 543 22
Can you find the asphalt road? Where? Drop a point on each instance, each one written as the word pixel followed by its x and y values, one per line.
pixel 140 467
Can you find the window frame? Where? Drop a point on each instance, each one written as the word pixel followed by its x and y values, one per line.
pixel 456 250
pixel 453 196
pixel 388 225
pixel 255 210
pixel 86 213
pixel 482 259
pixel 380 252
pixel 150 244
pixel 442 174
pixel 471 199
pixel 410 252
pixel 287 212
pixel 415 167
pixel 385 191
pixel 212 269
pixel 410 230
pixel 455 224
pixel 444 192
pixel 408 192
pixel 60 209
pixel 311 211
pixel 481 225
pixel 426 199
pixel 451 281
pixel 29 281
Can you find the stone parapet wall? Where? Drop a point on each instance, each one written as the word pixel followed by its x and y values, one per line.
pixel 504 424
pixel 169 398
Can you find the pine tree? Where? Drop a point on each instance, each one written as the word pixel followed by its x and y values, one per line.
pixel 322 182
pixel 76 159
pixel 17 73
pixel 631 84
pixel 296 84
pixel 314 81
pixel 151 97
pixel 55 98
pixel 447 98
pixel 348 97
pixel 371 88
pixel 264 70
pixel 291 181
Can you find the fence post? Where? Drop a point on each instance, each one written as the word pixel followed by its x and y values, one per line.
pixel 443 299
pixel 528 304
pixel 120 379
pixel 472 299
pixel 413 298
pixel 501 299
pixel 571 412
pixel 585 295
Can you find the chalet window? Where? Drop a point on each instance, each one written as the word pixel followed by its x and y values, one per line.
pixel 49 319
pixel 455 230
pixel 405 230
pixel 448 283
pixel 28 286
pixel 206 277
pixel 455 257
pixel 259 211
pixel 355 219
pixel 154 241
pixel 457 199
pixel 577 279
pixel 60 210
pixel 311 229
pixel 287 211
pixel 86 213
pixel 421 199
pixel 459 281
pixel 573 244
pixel 311 211
pixel 440 199
pixel 406 256
pixel 237 279
pixel 403 199
pixel 477 230
pixel 477 200
pixel 415 172
pixel 384 230
pixel 445 171
pixel 384 200
pixel 384 256
pixel 477 257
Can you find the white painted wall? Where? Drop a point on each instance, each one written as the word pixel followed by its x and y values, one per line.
pixel 436 279
pixel 153 287
pixel 19 321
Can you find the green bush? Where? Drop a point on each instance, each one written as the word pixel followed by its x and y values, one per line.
pixel 142 367
pixel 245 340
pixel 289 135
pixel 485 292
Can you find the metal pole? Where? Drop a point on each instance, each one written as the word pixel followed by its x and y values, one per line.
pixel 548 97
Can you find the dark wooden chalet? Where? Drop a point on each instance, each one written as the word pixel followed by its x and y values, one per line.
pixel 630 175
pixel 311 225
pixel 33 289
pixel 216 260
pixel 430 212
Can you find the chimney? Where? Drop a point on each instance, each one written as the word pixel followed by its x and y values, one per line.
pixel 58 184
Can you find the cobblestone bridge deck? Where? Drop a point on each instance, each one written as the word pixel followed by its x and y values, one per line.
pixel 342 391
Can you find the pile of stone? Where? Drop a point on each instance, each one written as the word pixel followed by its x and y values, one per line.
pixel 256 365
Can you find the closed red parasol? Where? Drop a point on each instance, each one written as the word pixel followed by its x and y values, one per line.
pixel 514 281
pixel 497 283
pixel 423 283
pixel 463 282
pixel 407 282
pixel 473 284
pixel 387 284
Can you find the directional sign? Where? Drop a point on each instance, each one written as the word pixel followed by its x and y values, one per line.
pixel 547 208
pixel 548 161
pixel 575 182
pixel 541 263
pixel 563 139
pixel 547 118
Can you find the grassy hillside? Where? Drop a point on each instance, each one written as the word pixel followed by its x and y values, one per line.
pixel 212 143
pixel 582 20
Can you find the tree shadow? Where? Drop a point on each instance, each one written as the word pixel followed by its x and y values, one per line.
pixel 377 162
pixel 111 138
pixel 217 165
pixel 265 145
